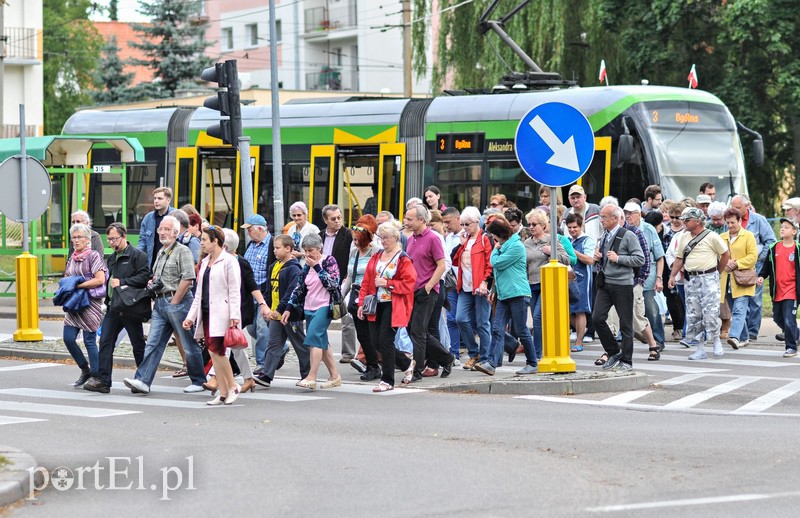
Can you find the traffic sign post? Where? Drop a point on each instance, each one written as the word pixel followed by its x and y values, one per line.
pixel 554 144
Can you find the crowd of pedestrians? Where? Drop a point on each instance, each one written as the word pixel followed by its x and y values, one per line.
pixel 416 296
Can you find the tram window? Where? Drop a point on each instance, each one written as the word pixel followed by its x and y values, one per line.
pixel 265 197
pixel 460 183
pixel 297 189
pixel 458 172
pixel 141 182
pixel 507 177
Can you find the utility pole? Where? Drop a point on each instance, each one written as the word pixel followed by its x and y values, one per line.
pixel 2 67
pixel 406 48
pixel 277 158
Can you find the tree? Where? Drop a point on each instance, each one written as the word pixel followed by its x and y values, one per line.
pixel 113 82
pixel 112 10
pixel 71 48
pixel 173 43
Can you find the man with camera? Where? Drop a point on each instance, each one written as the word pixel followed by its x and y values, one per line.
pixel 129 272
pixel 173 275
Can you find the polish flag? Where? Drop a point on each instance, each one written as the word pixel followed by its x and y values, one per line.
pixel 692 77
pixel 602 76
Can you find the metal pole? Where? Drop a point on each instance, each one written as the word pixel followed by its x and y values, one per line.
pixel 553 224
pixel 2 68
pixel 407 48
pixel 277 159
pixel 246 175
pixel 23 175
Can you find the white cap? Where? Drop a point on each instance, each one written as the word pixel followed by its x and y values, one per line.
pixel 632 207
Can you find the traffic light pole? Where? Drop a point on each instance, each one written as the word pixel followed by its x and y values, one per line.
pixel 246 175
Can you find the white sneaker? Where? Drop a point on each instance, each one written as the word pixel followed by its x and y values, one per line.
pixel 456 362
pixel 588 339
pixel 193 388
pixel 239 380
pixel 573 336
pixel 136 386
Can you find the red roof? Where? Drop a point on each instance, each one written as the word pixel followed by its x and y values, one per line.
pixel 125 34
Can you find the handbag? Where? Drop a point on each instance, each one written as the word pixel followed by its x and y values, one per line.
pixel 234 338
pixel 131 302
pixel 338 310
pixel 370 305
pixel 98 292
pixel 450 280
pixel 745 278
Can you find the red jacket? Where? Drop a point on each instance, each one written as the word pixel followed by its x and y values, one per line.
pixel 480 253
pixel 401 286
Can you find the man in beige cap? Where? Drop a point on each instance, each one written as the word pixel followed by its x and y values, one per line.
pixel 791 209
pixel 703 201
pixel 588 211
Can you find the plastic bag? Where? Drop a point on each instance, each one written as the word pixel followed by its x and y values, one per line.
pixel 235 339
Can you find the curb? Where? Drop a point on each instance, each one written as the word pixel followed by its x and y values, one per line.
pixel 6 352
pixel 580 382
pixel 15 479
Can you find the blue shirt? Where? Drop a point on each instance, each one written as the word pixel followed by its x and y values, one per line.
pixel 256 254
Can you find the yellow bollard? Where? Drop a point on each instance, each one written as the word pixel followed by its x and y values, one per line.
pixel 27 300
pixel 555 319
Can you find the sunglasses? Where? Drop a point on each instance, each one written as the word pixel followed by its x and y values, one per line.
pixel 358 229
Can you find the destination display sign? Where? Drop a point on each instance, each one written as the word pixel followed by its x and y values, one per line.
pixel 682 115
pixel 459 143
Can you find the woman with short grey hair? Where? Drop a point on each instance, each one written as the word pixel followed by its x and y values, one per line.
pixel 315 290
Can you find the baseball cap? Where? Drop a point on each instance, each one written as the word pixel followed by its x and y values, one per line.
pixel 702 198
pixel 692 213
pixel 792 223
pixel 576 188
pixel 632 207
pixel 255 219
pixel 791 203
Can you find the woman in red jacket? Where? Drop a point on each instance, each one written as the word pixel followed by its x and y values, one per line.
pixel 474 269
pixel 390 276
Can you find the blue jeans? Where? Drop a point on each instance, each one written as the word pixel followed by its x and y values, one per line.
pixel 473 317
pixel 260 331
pixel 785 315
pixel 653 315
pixel 754 309
pixel 89 340
pixel 452 325
pixel 536 315
pixel 738 315
pixel 514 310
pixel 168 319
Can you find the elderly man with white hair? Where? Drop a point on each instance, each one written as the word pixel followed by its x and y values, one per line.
pixel 716 217
pixel 82 217
pixel 173 275
pixel 300 228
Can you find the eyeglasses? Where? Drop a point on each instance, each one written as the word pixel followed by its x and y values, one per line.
pixel 357 228
pixel 467 224
pixel 76 238
pixel 384 238
pixel 494 205
pixel 113 239
pixel 76 222
pixel 296 215
pixel 533 225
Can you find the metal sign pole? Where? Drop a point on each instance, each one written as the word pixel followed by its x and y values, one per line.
pixel 23 176
pixel 277 159
pixel 246 178
pixel 553 224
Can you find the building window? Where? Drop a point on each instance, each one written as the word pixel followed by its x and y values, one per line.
pixel 227 38
pixel 252 34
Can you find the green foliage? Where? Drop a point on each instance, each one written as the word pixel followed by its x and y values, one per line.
pixel 173 43
pixel 71 48
pixel 747 52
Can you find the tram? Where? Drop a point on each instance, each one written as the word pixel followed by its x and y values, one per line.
pixel 375 153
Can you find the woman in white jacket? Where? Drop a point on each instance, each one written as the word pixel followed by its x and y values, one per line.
pixel 216 308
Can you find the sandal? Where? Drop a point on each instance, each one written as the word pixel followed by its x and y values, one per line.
pixel 180 373
pixel 408 374
pixel 308 384
pixel 655 354
pixel 602 360
pixel 382 387
pixel 576 348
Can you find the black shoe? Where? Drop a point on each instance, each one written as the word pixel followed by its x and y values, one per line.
pixel 780 337
pixel 661 347
pixel 262 380
pixel 372 373
pixel 447 368
pixel 85 375
pixel 612 361
pixel 753 338
pixel 512 354
pixel 95 385
pixel 416 377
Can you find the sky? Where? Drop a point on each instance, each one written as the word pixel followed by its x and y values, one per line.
pixel 126 11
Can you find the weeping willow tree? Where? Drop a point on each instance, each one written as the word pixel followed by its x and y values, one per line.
pixel 563 36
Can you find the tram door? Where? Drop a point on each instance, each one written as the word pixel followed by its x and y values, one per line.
pixel 362 179
pixel 209 179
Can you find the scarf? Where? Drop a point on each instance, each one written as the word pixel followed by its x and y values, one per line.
pixel 80 256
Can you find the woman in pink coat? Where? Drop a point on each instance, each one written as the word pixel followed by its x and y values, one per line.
pixel 216 308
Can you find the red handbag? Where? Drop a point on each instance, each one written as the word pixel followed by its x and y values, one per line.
pixel 235 339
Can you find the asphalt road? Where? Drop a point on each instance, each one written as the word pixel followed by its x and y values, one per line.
pixel 714 438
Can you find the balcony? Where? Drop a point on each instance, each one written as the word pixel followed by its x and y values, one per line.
pixel 20 44
pixel 321 19
pixel 328 78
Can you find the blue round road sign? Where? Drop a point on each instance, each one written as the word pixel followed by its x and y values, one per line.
pixel 554 144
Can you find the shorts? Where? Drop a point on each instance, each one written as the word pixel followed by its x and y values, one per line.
pixel 214 344
pixel 317 323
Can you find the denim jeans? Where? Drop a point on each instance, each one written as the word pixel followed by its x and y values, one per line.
pixel 474 312
pixel 785 315
pixel 653 315
pixel 259 330
pixel 536 315
pixel 739 324
pixel 452 325
pixel 89 340
pixel 168 319
pixel 514 310
pixel 754 309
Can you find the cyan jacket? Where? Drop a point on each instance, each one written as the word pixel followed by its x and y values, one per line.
pixel 510 270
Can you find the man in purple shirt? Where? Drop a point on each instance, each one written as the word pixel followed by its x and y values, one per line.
pixel 425 249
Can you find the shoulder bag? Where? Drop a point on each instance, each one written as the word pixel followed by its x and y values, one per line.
pixel 745 278
pixel 370 304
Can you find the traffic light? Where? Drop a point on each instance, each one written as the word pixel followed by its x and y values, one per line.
pixel 226 102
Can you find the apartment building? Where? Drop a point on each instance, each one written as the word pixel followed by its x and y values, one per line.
pixel 331 45
pixel 21 70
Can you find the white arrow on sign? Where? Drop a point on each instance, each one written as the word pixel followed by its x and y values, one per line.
pixel 564 153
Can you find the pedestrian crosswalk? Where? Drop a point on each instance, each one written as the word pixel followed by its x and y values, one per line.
pixel 21 405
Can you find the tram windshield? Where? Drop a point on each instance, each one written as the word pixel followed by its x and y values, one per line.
pixel 693 143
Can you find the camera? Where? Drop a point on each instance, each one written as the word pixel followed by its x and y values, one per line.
pixel 154 287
